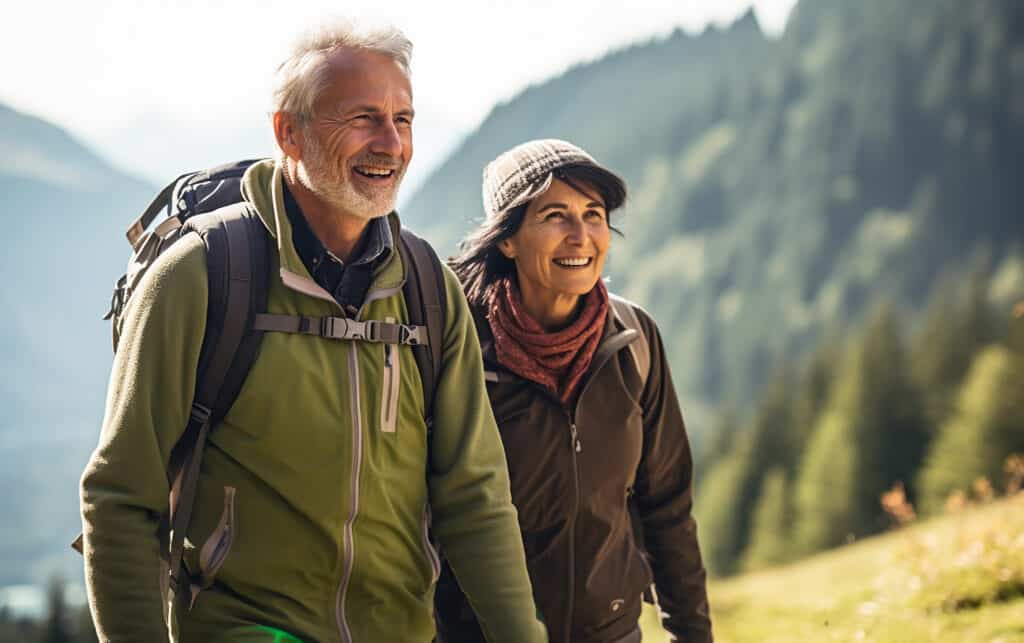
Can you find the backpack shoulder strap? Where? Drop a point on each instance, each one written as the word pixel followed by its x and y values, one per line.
pixel 641 348
pixel 425 298
pixel 236 256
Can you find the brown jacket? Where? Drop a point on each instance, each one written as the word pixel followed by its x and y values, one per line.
pixel 573 471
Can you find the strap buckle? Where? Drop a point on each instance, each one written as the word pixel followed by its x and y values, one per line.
pixel 372 330
pixel 327 327
pixel 200 413
pixel 344 328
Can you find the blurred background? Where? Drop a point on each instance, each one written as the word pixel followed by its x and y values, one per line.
pixel 825 219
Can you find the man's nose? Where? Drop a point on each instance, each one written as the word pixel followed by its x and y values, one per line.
pixel 387 139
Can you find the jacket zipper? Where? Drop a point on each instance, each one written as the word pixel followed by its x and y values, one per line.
pixel 348 536
pixel 299 284
pixel 357 458
pixel 575 447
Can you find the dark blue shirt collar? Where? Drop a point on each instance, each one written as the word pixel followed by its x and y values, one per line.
pixel 347 282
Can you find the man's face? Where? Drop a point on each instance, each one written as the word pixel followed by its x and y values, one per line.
pixel 358 143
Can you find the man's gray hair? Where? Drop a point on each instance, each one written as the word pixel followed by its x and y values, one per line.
pixel 303 75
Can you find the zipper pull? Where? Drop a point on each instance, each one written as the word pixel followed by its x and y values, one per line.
pixel 576 438
pixel 387 347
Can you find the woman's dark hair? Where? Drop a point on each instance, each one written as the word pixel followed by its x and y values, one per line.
pixel 480 263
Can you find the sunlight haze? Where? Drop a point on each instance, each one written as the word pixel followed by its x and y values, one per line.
pixel 161 87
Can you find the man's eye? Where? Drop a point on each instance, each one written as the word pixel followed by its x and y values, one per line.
pixel 554 214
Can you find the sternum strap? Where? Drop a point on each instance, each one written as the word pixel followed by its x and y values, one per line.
pixel 344 328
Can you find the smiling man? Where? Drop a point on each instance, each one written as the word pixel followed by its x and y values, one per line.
pixel 317 489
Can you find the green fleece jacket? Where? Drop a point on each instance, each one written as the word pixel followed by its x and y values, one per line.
pixel 316 489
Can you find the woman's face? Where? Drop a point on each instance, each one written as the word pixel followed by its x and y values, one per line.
pixel 559 249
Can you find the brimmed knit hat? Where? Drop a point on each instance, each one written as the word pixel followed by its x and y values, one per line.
pixel 526 170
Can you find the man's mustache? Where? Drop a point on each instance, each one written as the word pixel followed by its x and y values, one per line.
pixel 379 160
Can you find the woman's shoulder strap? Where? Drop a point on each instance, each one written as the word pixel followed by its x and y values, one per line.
pixel 640 349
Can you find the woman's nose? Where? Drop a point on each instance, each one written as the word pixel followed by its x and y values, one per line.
pixel 577 231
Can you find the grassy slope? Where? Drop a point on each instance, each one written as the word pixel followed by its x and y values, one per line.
pixel 878 590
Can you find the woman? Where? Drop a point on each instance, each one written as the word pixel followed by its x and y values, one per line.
pixel 592 431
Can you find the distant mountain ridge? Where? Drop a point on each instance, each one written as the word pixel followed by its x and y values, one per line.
pixel 779 188
pixel 34 149
pixel 64 211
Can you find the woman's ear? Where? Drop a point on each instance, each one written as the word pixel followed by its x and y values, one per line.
pixel 507 248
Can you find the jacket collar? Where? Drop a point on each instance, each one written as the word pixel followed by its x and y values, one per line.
pixel 615 337
pixel 262 187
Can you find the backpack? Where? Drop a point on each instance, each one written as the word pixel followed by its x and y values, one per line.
pixel 209 203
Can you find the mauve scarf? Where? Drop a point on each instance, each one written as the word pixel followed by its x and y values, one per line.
pixel 556 360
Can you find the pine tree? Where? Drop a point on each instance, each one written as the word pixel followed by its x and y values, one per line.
pixel 1015 333
pixel 56 628
pixel 85 629
pixel 729 493
pixel 826 486
pixel 718 508
pixel 716 445
pixel 870 435
pixel 15 629
pixel 770 528
pixel 957 325
pixel 987 427
pixel 811 396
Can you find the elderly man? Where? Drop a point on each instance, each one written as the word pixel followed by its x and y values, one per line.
pixel 316 489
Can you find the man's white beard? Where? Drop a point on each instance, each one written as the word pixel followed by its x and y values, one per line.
pixel 330 181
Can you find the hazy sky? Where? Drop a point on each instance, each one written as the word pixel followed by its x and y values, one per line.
pixel 134 77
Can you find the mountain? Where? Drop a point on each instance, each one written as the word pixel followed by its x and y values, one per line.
pixel 64 211
pixel 779 188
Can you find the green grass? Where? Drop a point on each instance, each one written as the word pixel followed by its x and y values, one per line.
pixel 954 579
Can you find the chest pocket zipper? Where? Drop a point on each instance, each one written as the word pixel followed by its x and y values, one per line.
pixel 389 389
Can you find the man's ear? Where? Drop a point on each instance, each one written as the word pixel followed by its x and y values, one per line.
pixel 288 135
pixel 507 248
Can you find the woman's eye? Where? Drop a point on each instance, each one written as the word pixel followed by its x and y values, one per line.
pixel 551 216
pixel 595 215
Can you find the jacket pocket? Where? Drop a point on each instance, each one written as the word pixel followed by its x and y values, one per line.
pixel 216 548
pixel 428 547
pixel 389 387
pixel 615 588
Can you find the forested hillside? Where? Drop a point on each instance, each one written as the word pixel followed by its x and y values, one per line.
pixel 781 189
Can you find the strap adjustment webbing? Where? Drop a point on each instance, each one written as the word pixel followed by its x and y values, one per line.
pixel 370 330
